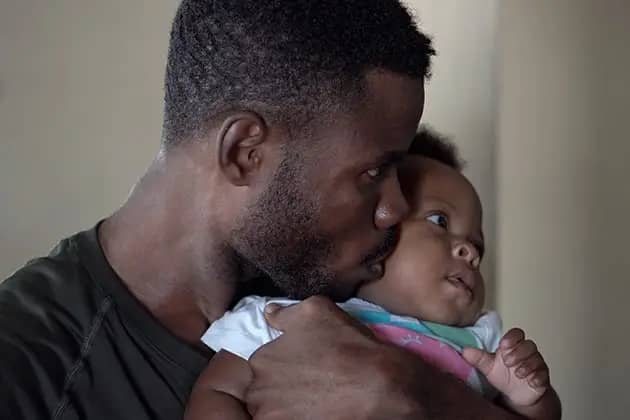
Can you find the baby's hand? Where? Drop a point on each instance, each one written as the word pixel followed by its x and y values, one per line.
pixel 517 369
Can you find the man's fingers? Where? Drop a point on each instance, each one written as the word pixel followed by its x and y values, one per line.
pixel 482 360
pixel 278 316
pixel 271 308
pixel 316 308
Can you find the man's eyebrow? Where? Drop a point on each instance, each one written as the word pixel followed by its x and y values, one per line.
pixel 393 157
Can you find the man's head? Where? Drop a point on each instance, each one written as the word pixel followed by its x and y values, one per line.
pixel 433 274
pixel 297 112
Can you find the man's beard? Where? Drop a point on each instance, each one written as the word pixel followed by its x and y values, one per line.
pixel 279 236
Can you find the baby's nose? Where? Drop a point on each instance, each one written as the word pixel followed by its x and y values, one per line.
pixel 467 252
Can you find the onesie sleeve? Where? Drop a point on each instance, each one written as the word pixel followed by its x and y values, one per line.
pixel 244 329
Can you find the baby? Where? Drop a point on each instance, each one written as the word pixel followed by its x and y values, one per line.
pixel 429 301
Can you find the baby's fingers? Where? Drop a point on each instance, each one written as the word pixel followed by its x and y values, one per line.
pixel 539 378
pixel 512 339
pixel 529 365
pixel 524 350
pixel 479 359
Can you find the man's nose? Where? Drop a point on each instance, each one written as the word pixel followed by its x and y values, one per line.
pixel 393 206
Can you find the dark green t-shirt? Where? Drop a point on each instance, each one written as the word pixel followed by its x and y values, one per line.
pixel 75 344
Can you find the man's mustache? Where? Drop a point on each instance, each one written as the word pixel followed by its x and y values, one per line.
pixel 388 244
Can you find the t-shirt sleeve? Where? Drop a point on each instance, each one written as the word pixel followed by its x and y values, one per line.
pixel 242 330
pixel 27 389
pixel 35 352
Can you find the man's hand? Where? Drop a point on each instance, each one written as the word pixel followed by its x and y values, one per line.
pixel 324 366
pixel 328 366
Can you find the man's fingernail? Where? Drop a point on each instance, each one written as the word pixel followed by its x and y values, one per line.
pixel 271 308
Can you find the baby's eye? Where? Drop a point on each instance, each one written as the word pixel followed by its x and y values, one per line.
pixel 438 219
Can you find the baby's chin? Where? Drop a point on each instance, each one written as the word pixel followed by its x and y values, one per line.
pixel 454 317
pixel 446 311
pixel 469 318
pixel 463 315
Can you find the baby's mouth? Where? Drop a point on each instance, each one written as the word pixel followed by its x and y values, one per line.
pixel 461 281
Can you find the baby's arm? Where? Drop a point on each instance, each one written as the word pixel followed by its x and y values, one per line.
pixel 220 389
pixel 520 373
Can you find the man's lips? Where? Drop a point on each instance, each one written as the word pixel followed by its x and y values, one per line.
pixel 383 250
pixel 376 266
pixel 382 256
pixel 375 262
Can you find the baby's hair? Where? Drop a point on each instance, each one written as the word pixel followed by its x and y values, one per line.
pixel 433 145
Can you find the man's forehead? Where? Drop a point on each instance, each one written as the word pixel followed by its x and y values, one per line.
pixel 363 137
pixel 398 94
pixel 387 125
pixel 377 131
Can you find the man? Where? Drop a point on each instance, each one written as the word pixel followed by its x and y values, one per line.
pixel 283 124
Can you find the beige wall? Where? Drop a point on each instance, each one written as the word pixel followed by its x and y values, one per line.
pixel 80 113
pixel 563 198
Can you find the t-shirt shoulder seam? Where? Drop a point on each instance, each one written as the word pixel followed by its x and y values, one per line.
pixel 78 365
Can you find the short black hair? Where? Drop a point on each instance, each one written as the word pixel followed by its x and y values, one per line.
pixel 290 60
pixel 430 144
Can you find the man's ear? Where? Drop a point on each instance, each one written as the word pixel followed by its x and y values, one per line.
pixel 239 150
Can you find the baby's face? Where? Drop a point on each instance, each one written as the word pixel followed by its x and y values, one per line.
pixel 433 273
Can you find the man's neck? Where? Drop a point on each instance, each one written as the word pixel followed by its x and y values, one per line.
pixel 167 259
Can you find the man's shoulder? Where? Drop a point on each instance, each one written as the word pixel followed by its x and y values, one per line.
pixel 56 285
pixel 50 298
pixel 47 308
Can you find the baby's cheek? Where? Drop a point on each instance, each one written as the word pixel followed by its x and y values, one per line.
pixel 480 293
pixel 391 291
pixel 414 294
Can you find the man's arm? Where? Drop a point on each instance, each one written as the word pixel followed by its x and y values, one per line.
pixel 327 365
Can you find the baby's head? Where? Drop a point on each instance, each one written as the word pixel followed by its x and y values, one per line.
pixel 433 274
